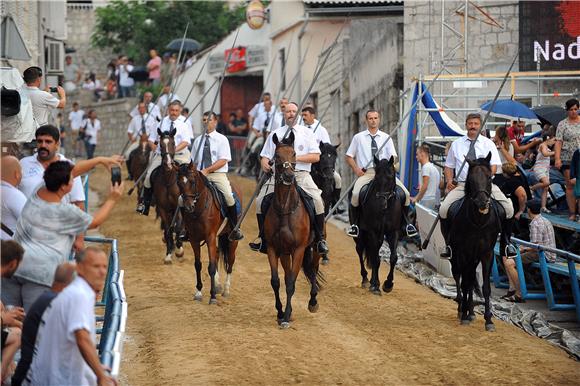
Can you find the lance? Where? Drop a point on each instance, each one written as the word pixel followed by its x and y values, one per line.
pixel 332 95
pixel 294 80
pixel 347 191
pixel 266 176
pixel 267 81
pixel 472 146
pixel 174 76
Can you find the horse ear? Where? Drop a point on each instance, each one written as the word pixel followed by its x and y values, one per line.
pixel 375 159
pixel 290 139
pixel 337 146
pixel 192 165
pixel 172 132
pixel 321 145
pixel 159 133
pixel 391 160
pixel 275 139
pixel 488 158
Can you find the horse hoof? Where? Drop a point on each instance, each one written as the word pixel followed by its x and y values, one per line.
pixel 365 283
pixel 212 301
pixel 313 308
pixel 375 291
pixel 471 317
pixel 284 325
pixel 218 288
pixel 225 294
pixel 465 322
pixel 180 252
pixel 387 288
pixel 167 259
pixel 198 296
pixel 490 327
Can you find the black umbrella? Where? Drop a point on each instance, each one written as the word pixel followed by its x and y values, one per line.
pixel 189 45
pixel 550 114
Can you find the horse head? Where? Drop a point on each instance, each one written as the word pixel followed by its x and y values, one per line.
pixel 478 184
pixel 285 159
pixel 167 147
pixel 188 179
pixel 328 156
pixel 385 179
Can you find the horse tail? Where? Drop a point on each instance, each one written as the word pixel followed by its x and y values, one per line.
pixel 308 267
pixel 224 251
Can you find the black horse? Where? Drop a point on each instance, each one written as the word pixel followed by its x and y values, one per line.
pixel 380 219
pixel 323 174
pixel 472 235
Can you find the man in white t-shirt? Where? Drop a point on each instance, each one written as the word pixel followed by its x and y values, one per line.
pixel 13 200
pixel 429 194
pixel 126 83
pixel 75 119
pixel 42 102
pixel 92 127
pixel 65 351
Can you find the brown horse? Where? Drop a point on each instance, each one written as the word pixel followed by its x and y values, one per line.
pixel 288 233
pixel 203 221
pixel 138 160
pixel 166 195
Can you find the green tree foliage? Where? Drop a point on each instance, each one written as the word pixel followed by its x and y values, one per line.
pixel 122 26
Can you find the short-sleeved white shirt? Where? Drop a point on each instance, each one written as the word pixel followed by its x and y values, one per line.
pixel 432 192
pixel 13 201
pixel 124 79
pixel 257 110
pixel 32 178
pixel 321 134
pixel 42 104
pixel 92 130
pixel 76 119
pixel 219 147
pixel 181 134
pixel 304 143
pixel 136 123
pixel 187 121
pixel 162 102
pixel 360 148
pixel 261 119
pixel 57 359
pixel 152 110
pixel 459 149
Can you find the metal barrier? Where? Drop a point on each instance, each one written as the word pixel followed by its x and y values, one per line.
pixel 114 301
pixel 545 269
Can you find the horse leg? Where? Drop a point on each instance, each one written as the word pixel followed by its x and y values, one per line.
pixel 197 252
pixel 168 237
pixel 290 282
pixel 363 272
pixel 375 262
pixel 314 260
pixel 212 267
pixel 393 241
pixel 457 277
pixel 231 259
pixel 179 252
pixel 487 262
pixel 467 294
pixel 275 282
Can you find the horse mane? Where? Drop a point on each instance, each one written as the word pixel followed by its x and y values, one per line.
pixel 382 170
pixel 480 162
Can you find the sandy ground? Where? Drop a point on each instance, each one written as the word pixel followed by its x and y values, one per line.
pixel 410 336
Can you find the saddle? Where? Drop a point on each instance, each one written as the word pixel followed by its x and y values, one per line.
pixel 456 206
pixel 219 196
pixel 306 200
pixel 364 193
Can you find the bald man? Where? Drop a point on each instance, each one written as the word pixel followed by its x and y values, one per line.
pixel 13 200
pixel 63 276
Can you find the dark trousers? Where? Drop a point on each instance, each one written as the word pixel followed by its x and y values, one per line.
pixel 90 149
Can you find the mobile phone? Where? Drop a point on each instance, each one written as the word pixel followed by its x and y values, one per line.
pixel 116 175
pixel 53 89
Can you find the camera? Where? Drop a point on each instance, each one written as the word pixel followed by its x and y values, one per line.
pixel 116 175
pixel 53 89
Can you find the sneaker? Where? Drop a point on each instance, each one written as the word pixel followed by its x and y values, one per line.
pixel 545 210
pixel 352 231
pixel 447 253
pixel 411 230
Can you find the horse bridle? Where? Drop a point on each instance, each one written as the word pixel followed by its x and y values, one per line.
pixel 280 176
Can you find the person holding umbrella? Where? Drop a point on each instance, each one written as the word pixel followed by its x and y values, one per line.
pixel 567 142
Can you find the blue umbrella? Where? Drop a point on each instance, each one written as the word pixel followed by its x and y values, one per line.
pixel 512 110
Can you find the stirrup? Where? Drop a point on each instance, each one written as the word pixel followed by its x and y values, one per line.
pixel 447 253
pixel 322 247
pixel 353 231
pixel 256 245
pixel 142 209
pixel 411 230
pixel 510 251
pixel 236 235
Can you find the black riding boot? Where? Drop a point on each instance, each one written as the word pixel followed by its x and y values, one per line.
pixel 445 229
pixel 353 215
pixel 409 227
pixel 506 246
pixel 129 176
pixel 145 203
pixel 236 233
pixel 321 246
pixel 260 246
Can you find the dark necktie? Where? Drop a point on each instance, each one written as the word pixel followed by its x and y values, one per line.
pixel 206 161
pixel 374 147
pixel 282 123
pixel 267 123
pixel 471 153
pixel 142 125
pixel 171 127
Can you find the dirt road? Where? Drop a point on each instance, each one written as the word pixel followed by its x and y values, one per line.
pixel 410 336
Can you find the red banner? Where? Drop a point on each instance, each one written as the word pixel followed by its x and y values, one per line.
pixel 237 61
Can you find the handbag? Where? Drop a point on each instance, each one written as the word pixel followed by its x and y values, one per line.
pixel 10 102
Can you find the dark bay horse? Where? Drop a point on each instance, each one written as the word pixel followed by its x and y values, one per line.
pixel 380 219
pixel 323 176
pixel 138 160
pixel 166 194
pixel 203 221
pixel 473 233
pixel 288 233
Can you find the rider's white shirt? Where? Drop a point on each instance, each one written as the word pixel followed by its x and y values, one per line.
pixel 459 149
pixel 276 122
pixel 152 110
pixel 360 148
pixel 219 147
pixel 181 135
pixel 304 143
pixel 321 134
pixel 260 120
pixel 135 125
